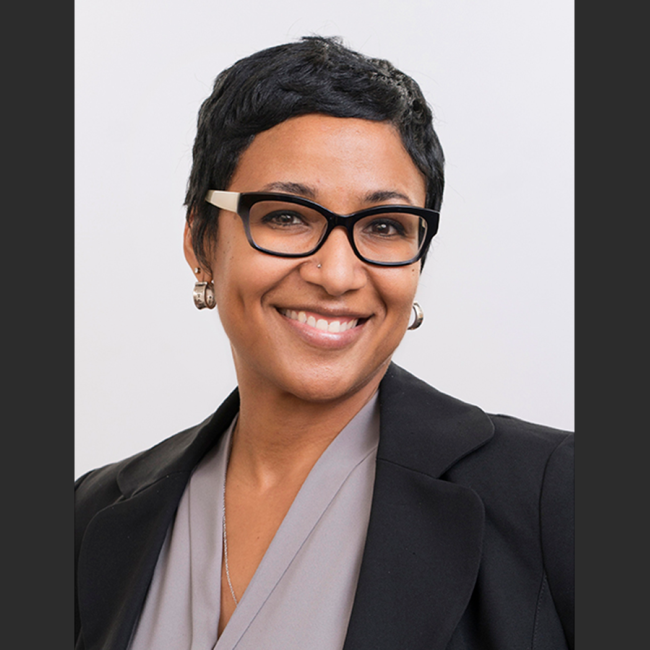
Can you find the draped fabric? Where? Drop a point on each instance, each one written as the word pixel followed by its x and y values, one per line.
pixel 302 592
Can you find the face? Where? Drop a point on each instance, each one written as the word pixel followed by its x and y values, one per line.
pixel 321 327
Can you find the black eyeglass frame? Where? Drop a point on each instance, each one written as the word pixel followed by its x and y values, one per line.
pixel 241 203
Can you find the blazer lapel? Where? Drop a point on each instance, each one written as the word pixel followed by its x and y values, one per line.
pixel 423 547
pixel 122 542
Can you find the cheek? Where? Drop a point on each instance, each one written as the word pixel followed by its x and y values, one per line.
pixel 242 277
pixel 399 291
pixel 230 258
pixel 227 270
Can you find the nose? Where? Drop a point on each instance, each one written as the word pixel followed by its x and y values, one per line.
pixel 335 266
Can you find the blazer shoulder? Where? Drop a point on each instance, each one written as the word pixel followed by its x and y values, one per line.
pixel 102 487
pixel 97 489
pixel 107 485
pixel 509 425
pixel 521 464
pixel 527 442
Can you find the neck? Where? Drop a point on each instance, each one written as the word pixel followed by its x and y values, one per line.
pixel 279 437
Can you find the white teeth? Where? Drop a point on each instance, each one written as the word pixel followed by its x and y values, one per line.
pixel 322 324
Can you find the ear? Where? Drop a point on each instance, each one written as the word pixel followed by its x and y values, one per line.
pixel 203 275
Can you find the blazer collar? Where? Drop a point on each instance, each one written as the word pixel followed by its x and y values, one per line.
pixel 425 534
pixel 423 429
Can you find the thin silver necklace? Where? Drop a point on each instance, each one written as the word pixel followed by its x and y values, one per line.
pixel 225 540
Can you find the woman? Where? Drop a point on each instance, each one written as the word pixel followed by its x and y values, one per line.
pixel 333 500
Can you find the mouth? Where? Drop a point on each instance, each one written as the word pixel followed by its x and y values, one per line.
pixel 330 324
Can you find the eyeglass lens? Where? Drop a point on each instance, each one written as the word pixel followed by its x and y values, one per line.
pixel 293 229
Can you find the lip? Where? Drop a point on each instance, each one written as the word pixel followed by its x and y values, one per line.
pixel 310 325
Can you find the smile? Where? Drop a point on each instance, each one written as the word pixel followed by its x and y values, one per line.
pixel 320 322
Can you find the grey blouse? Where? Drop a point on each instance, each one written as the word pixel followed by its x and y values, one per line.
pixel 302 592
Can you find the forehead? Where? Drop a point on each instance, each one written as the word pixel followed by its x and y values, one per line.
pixel 330 155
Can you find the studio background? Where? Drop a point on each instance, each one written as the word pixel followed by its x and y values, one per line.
pixel 497 288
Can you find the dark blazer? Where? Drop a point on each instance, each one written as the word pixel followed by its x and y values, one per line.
pixel 469 545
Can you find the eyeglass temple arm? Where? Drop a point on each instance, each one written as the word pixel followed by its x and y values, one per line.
pixel 224 200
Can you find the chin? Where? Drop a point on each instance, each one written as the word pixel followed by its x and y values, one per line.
pixel 320 383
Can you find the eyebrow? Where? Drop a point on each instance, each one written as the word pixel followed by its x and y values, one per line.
pixel 381 196
pixel 378 196
pixel 291 188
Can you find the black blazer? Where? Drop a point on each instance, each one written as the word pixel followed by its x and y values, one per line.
pixel 469 545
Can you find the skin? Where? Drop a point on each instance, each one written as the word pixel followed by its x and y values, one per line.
pixel 300 386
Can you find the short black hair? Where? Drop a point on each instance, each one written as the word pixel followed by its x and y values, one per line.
pixel 313 75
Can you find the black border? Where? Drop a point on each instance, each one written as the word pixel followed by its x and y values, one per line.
pixel 611 328
pixel 38 263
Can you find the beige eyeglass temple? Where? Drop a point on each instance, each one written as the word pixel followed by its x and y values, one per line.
pixel 222 199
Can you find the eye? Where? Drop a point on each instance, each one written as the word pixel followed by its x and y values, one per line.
pixel 385 227
pixel 283 219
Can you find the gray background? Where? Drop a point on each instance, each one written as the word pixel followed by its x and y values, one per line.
pixel 497 289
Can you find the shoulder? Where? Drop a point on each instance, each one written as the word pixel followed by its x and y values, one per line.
pixel 525 477
pixel 101 488
pixel 516 439
pixel 181 452
pixel 515 428
pixel 521 460
pixel 101 485
pixel 540 455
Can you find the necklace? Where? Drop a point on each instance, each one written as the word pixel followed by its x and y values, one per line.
pixel 225 545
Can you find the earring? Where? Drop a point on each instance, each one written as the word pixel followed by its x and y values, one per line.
pixel 419 316
pixel 203 295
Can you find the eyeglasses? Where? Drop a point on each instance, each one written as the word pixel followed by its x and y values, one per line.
pixel 290 226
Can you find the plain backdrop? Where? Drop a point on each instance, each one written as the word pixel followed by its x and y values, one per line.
pixel 497 289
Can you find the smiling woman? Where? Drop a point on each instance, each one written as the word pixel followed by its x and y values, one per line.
pixel 333 500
